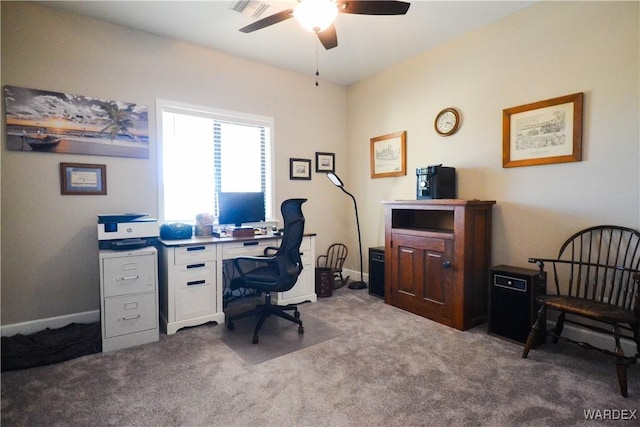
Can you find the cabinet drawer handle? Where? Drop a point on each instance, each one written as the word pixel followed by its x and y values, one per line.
pixel 252 243
pixel 134 317
pixel 446 264
pixel 129 278
pixel 195 248
pixel 196 282
pixel 195 265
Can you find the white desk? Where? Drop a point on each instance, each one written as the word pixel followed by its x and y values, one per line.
pixel 191 279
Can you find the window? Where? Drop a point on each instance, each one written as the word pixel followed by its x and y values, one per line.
pixel 203 151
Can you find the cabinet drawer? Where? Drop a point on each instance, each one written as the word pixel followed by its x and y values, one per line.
pixel 129 274
pixel 247 248
pixel 196 274
pixel 195 300
pixel 301 287
pixel 195 290
pixel 192 254
pixel 129 314
pixel 305 250
pixel 306 257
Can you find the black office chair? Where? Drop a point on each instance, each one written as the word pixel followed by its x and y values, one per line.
pixel 275 273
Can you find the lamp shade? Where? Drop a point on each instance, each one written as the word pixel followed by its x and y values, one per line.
pixel 335 179
pixel 315 15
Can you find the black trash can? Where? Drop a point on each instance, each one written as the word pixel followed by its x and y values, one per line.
pixel 324 282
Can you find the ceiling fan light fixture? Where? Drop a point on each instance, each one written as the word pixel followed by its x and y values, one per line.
pixel 315 15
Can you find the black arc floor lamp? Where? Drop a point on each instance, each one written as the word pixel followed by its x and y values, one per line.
pixel 338 183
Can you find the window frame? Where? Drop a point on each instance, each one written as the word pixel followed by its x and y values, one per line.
pixel 164 105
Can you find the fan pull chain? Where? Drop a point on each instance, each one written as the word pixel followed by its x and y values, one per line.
pixel 317 72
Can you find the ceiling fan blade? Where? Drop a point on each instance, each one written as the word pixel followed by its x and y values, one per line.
pixel 374 7
pixel 328 37
pixel 269 20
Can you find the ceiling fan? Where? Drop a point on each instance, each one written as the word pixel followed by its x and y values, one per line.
pixel 318 15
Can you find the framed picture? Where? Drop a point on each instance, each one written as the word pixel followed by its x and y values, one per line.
pixel 389 155
pixel 83 179
pixel 544 132
pixel 325 162
pixel 98 127
pixel 300 169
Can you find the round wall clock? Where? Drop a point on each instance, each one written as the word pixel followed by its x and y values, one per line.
pixel 447 121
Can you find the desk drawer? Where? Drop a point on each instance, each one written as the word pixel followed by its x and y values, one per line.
pixel 129 274
pixel 129 314
pixel 195 301
pixel 193 254
pixel 306 257
pixel 247 248
pixel 195 290
pixel 301 287
pixel 196 274
pixel 305 250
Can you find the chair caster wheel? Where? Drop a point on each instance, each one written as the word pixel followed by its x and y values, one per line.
pixel 230 326
pixel 255 339
pixel 300 330
pixel 296 314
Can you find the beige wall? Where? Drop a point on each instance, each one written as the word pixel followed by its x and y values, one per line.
pixel 548 50
pixel 49 263
pixel 49 241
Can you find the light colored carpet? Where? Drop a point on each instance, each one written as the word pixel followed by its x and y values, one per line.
pixel 387 367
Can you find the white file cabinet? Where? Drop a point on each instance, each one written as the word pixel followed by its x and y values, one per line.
pixel 129 297
pixel 188 287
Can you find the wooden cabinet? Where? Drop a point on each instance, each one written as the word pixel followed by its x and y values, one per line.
pixel 438 254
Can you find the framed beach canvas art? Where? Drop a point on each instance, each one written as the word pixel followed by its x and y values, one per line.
pixel 46 121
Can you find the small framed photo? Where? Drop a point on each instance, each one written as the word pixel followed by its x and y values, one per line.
pixel 83 179
pixel 543 132
pixel 325 162
pixel 389 155
pixel 300 169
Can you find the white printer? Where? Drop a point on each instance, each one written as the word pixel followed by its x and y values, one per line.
pixel 127 231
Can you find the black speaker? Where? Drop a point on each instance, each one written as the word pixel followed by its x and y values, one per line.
pixel 512 302
pixel 376 271
pixel 436 182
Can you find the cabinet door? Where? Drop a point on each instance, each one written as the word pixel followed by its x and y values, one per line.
pixel 421 276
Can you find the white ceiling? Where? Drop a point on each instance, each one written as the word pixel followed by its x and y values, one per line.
pixel 366 44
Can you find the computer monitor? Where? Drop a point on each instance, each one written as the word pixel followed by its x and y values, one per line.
pixel 239 208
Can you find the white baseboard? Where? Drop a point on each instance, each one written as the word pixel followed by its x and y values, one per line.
pixel 26 328
pixel 354 274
